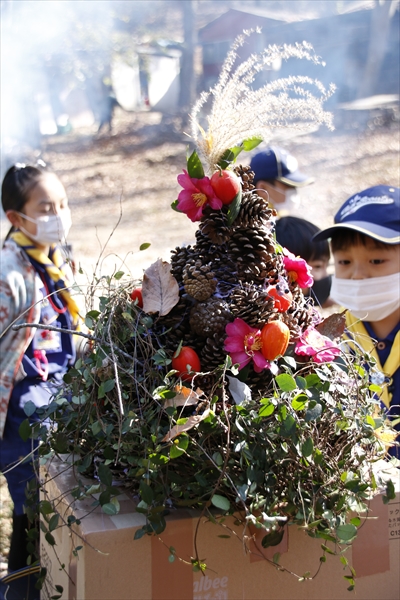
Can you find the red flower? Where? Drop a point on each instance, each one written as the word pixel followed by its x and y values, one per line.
pixel 195 196
pixel 243 344
pixel 313 343
pixel 297 269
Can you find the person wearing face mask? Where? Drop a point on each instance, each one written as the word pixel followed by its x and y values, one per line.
pixel 34 288
pixel 277 179
pixel 365 242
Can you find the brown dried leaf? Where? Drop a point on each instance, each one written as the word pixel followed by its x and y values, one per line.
pixel 160 289
pixel 333 326
pixel 190 423
pixel 184 397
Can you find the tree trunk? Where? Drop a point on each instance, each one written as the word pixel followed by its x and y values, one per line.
pixel 187 73
pixel 378 37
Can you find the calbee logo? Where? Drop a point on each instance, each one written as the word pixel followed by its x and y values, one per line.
pixel 359 201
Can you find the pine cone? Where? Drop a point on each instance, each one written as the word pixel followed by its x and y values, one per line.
pixel 246 175
pixel 213 354
pixel 205 248
pixel 199 281
pixel 300 315
pixel 214 226
pixel 250 246
pixel 252 304
pixel 208 318
pixel 254 212
pixel 179 258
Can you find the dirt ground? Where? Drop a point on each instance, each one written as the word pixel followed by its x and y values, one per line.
pixel 121 185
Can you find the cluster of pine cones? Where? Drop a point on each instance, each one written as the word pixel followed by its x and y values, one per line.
pixel 225 275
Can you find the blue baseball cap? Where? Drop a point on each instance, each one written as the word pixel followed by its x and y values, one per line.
pixel 375 212
pixel 276 163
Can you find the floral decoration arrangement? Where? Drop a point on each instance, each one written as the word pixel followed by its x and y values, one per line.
pixel 214 383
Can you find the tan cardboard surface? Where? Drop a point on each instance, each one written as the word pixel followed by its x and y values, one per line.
pixel 113 566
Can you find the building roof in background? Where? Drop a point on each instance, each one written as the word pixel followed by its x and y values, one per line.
pixel 269 18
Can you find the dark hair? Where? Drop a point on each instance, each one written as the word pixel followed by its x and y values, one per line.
pixel 343 238
pixel 17 184
pixel 296 234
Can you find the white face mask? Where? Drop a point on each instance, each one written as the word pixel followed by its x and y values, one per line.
pixel 291 201
pixel 50 229
pixel 371 299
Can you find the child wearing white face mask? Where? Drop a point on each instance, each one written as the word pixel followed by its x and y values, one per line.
pixel 365 243
pixel 277 179
pixel 34 288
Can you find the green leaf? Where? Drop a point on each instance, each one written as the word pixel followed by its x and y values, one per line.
pixel 313 412
pixel 146 493
pixel 301 382
pixel 220 502
pixel 29 408
pixel 194 166
pixel 53 523
pixel 229 156
pixel 50 539
pixel 109 508
pixel 346 533
pixel 272 539
pixel 312 380
pixel 251 143
pixel 45 507
pixel 234 207
pixel 109 385
pixel 307 448
pixel 266 409
pixel 139 533
pixel 146 245
pixel 104 474
pixel 25 430
pixel 299 402
pixel 174 206
pixel 118 275
pixel 286 382
pixel 390 492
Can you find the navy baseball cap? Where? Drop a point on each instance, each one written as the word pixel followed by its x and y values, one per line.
pixel 374 212
pixel 276 163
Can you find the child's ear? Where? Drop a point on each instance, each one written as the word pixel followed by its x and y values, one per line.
pixel 14 218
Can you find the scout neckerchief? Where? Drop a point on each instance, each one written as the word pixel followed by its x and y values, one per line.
pixel 53 264
pixel 357 332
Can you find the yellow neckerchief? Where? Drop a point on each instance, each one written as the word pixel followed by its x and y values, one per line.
pixel 54 269
pixel 360 334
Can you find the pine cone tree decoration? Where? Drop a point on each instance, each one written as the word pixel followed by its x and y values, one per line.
pixel 209 318
pixel 199 280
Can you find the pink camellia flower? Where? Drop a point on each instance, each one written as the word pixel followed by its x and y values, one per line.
pixel 195 196
pixel 243 344
pixel 318 346
pixel 297 269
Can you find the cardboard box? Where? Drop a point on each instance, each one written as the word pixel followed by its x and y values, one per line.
pixel 113 566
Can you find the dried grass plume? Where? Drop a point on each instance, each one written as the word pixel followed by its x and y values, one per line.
pixel 239 112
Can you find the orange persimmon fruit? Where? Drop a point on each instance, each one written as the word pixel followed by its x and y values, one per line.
pixel 275 339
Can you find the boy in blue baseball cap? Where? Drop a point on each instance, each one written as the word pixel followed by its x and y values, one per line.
pixel 365 243
pixel 277 178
